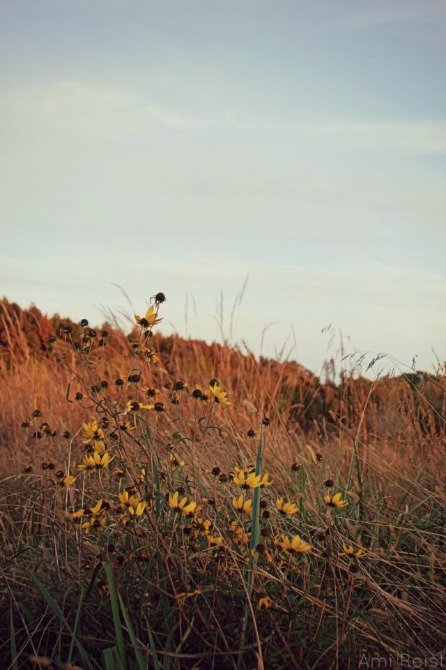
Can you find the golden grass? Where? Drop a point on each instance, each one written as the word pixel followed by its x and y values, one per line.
pixel 146 579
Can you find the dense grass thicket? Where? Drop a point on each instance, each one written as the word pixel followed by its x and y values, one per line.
pixel 168 504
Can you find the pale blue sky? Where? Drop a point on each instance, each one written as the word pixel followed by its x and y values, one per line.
pixel 179 146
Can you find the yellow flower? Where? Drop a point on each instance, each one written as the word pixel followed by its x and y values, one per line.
pixel 204 524
pixel 286 507
pixel 150 319
pixel 335 500
pixel 138 510
pixel 293 545
pixel 218 395
pixel 242 504
pixel 246 481
pixel 264 603
pixel 94 516
pixel 264 481
pixel 133 505
pixel 185 507
pixel 69 480
pixel 200 393
pixel 175 460
pixel 134 406
pixel 348 550
pixel 94 435
pixel 215 540
pixel 95 461
pixel 239 535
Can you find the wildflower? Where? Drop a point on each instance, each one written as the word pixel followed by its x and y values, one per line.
pixel 134 378
pixel 246 481
pixel 134 406
pixel 185 507
pixel 150 319
pixel 243 505
pixel 160 297
pixel 94 516
pixel 286 508
pixel 175 460
pixel 335 500
pixel 292 545
pixel 239 535
pixel 219 395
pixel 215 540
pixel 264 603
pixel 152 392
pixel 135 506
pixel 95 461
pixel 150 356
pixel 204 524
pixel 215 471
pixel 264 480
pixel 63 480
pixel 348 550
pixel 200 394
pixel 251 433
pixel 266 421
pixel 329 483
pixel 94 435
pixel 159 407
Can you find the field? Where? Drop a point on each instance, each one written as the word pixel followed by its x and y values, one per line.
pixel 169 504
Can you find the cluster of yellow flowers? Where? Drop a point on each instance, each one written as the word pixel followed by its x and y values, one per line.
pixel 276 541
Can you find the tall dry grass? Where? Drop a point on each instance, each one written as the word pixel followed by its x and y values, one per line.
pixel 159 590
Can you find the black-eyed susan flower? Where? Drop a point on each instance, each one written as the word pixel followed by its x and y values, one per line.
pixel 264 480
pixel 134 406
pixel 150 318
pixel 152 392
pixel 215 540
pixel 95 461
pixel 204 525
pixel 64 480
pixel 286 508
pixel 246 481
pixel 174 460
pixel 243 505
pixel 335 501
pixel 91 517
pixel 239 534
pixel 133 505
pixel 200 394
pixel 218 395
pixel 264 603
pixel 348 550
pixel 150 355
pixel 292 544
pixel 188 508
pixel 94 435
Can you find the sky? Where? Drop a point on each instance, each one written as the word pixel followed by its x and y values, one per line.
pixel 190 147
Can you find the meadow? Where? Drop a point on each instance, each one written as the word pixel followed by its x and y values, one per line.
pixel 170 504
